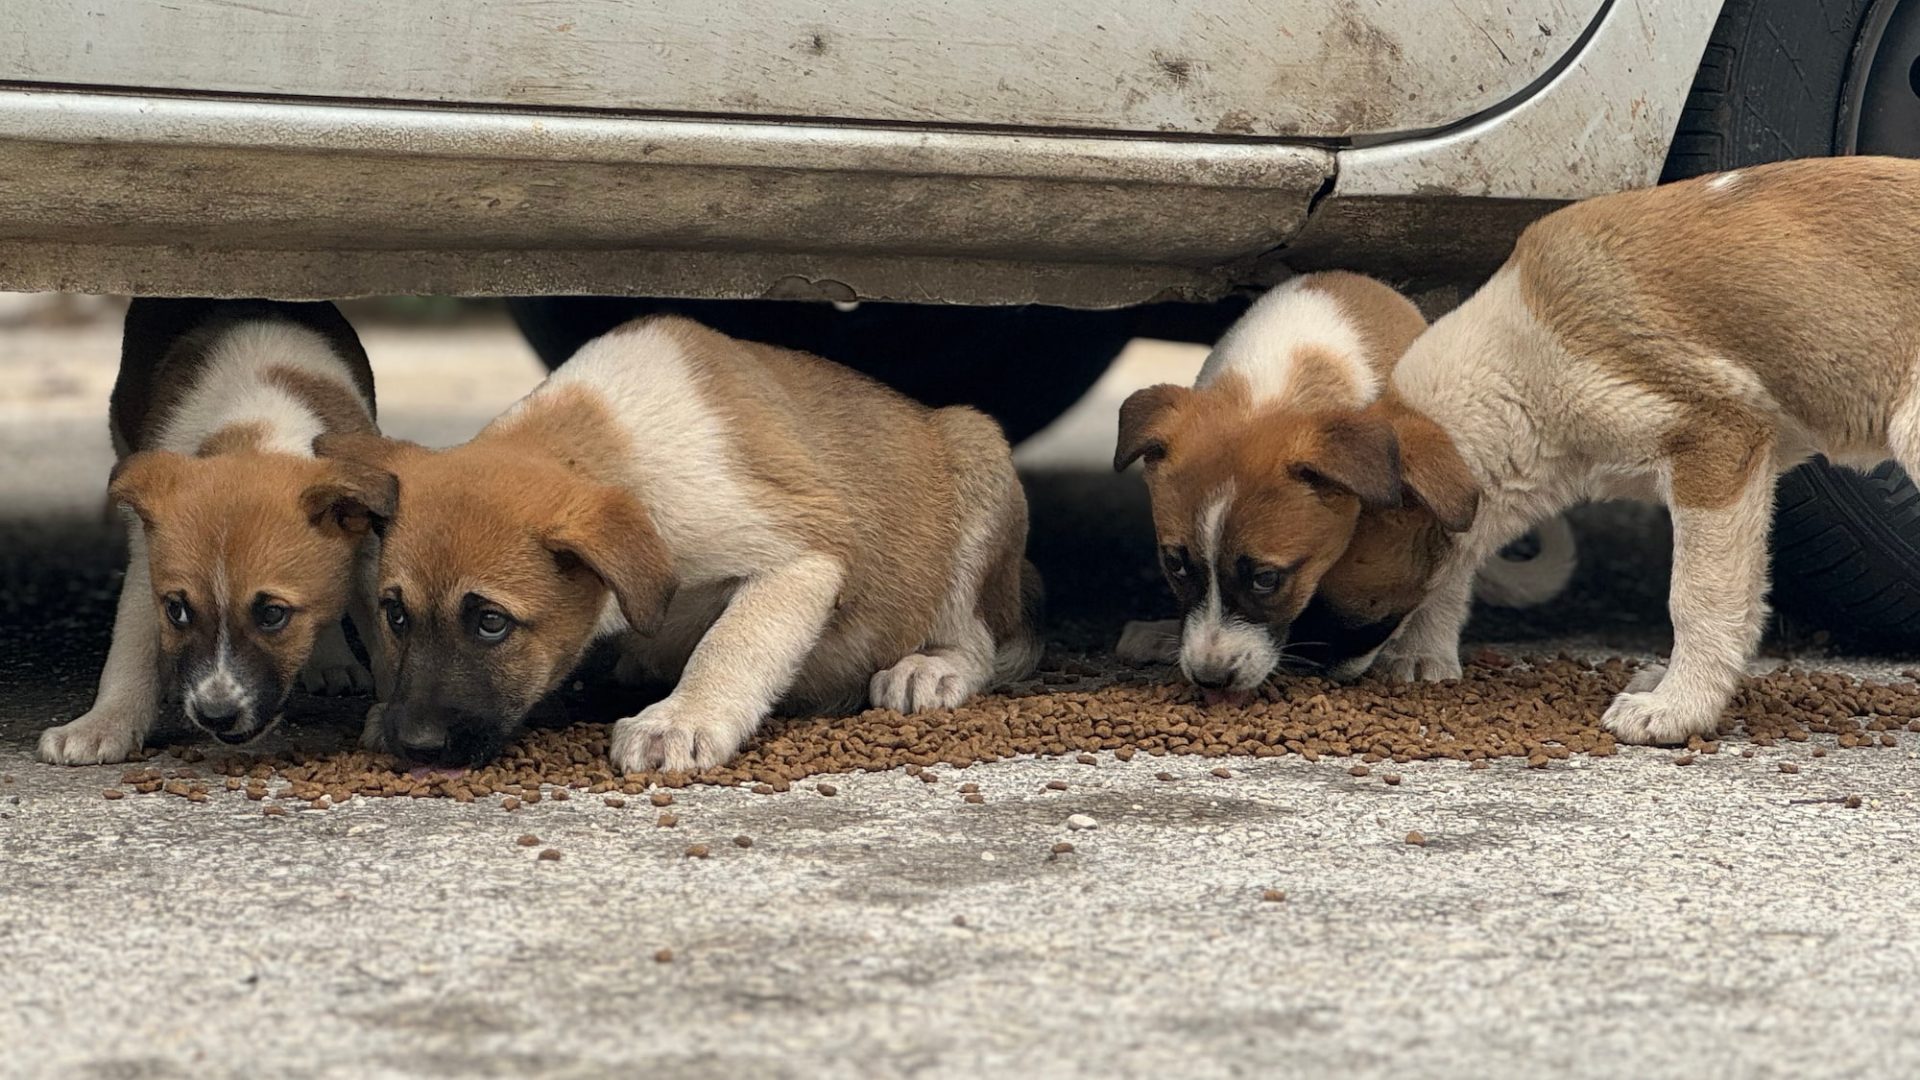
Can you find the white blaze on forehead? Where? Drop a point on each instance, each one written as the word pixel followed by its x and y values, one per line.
pixel 1211 642
pixel 1263 347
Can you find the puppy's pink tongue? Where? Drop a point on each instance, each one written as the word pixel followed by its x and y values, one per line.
pixel 1235 698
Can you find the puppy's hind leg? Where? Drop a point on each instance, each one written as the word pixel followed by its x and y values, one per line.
pixel 985 631
pixel 128 699
pixel 1722 504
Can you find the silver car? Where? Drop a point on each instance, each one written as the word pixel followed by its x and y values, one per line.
pixel 1026 186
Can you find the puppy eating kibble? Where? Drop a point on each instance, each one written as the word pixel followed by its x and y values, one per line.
pixel 1258 474
pixel 774 531
pixel 1685 343
pixel 244 547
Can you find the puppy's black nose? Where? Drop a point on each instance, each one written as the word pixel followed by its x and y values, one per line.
pixel 1213 680
pixel 418 737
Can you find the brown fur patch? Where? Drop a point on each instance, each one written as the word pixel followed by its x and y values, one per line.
pixel 337 406
pixel 1681 290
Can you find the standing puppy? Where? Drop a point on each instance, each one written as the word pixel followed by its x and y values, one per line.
pixel 1259 473
pixel 243 545
pixel 1685 342
pixel 773 530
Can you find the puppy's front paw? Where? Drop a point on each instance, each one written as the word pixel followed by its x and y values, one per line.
pixel 922 681
pixel 1415 667
pixel 671 736
pixel 1142 642
pixel 374 735
pixel 1649 719
pixel 102 736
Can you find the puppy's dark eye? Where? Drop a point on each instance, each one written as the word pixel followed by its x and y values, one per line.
pixel 396 613
pixel 492 625
pixel 271 617
pixel 1175 560
pixel 178 613
pixel 1266 580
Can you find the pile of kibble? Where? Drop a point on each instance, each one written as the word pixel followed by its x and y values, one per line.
pixel 1540 711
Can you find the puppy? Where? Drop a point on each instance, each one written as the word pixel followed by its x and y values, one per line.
pixel 1685 343
pixel 1258 474
pixel 243 546
pixel 770 529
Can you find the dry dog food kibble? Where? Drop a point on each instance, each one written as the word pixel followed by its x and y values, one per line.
pixel 1063 848
pixel 973 797
pixel 550 855
pixel 1417 839
pixel 1223 773
pixel 661 798
pixel 1392 779
pixel 1537 711
pixel 1358 770
pixel 528 840
pixel 663 956
pixel 1057 785
pixel 969 789
pixel 668 820
pixel 113 793
pixel 743 841
pixel 697 851
pixel 614 801
pixel 1273 896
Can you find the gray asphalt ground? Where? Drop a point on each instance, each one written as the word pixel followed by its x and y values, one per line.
pixel 1606 917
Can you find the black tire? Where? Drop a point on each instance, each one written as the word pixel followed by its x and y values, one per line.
pixel 1811 78
pixel 1023 366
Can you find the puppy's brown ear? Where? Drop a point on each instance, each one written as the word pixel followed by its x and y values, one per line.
pixel 143 482
pixel 608 533
pixel 1355 455
pixel 1140 415
pixel 350 496
pixel 367 448
pixel 1437 478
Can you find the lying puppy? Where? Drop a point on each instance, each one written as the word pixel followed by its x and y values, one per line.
pixel 773 530
pixel 1259 473
pixel 243 546
pixel 1687 343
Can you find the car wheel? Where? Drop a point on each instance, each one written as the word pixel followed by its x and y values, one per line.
pixel 1023 366
pixel 1809 78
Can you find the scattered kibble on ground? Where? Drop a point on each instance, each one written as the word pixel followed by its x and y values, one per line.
pixel 550 855
pixel 1538 711
pixel 663 956
pixel 528 840
pixel 1273 896
pixel 1417 839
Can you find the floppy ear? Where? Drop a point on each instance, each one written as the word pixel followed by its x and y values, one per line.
pixel 353 496
pixel 1138 414
pixel 1437 478
pixel 367 448
pixel 1355 455
pixel 142 482
pixel 609 534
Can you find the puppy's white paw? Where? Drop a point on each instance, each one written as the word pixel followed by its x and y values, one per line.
pixel 923 681
pixel 374 735
pixel 1415 667
pixel 102 736
pixel 671 736
pixel 1647 678
pixel 1649 719
pixel 1144 642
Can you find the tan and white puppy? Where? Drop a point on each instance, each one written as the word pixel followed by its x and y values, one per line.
pixel 1685 343
pixel 1258 474
pixel 770 529
pixel 244 547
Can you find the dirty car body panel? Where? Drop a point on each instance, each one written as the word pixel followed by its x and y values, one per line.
pixel 983 152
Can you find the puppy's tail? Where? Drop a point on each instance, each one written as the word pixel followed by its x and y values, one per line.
pixel 1524 582
pixel 1016 655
